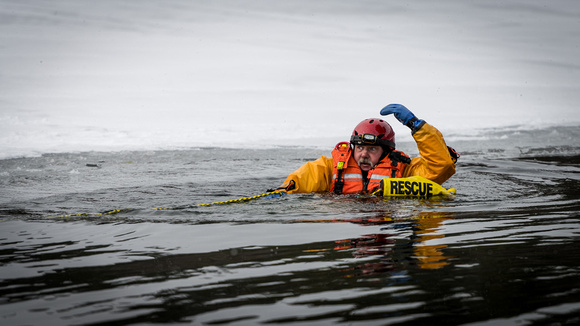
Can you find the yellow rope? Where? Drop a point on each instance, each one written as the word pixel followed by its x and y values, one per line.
pixel 224 202
pixel 115 211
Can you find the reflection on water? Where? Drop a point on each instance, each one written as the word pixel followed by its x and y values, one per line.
pixel 426 233
pixel 426 229
pixel 430 268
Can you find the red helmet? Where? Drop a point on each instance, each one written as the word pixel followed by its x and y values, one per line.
pixel 373 132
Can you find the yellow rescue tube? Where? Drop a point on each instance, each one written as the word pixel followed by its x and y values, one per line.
pixel 415 187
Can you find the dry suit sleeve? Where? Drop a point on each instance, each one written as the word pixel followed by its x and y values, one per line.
pixel 315 176
pixel 434 162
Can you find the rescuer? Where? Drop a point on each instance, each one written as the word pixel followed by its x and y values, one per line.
pixel 359 166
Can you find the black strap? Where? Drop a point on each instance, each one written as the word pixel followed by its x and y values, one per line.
pixel 454 154
pixel 365 183
pixel 339 183
pixel 291 185
pixel 397 157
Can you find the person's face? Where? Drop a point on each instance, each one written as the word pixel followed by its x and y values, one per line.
pixel 367 156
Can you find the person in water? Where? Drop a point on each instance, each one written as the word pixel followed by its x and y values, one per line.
pixel 359 166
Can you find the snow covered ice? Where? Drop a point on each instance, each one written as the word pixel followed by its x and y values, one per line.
pixel 114 75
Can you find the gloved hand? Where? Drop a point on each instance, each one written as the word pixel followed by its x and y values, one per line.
pixel 403 114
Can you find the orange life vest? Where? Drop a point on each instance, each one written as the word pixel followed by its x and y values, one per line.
pixel 347 177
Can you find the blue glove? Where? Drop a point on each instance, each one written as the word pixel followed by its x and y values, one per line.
pixel 403 114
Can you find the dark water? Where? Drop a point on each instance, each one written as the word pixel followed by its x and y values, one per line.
pixel 504 251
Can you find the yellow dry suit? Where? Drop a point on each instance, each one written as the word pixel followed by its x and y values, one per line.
pixel 435 163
